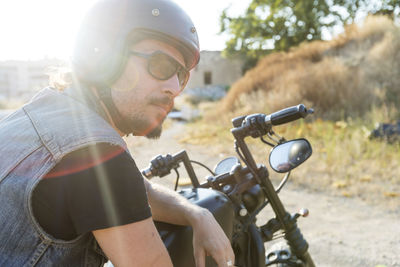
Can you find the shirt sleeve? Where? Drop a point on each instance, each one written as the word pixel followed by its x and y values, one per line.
pixel 101 187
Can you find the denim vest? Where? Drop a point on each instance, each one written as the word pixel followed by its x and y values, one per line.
pixel 32 141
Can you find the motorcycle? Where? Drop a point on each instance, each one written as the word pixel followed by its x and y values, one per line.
pixel 238 190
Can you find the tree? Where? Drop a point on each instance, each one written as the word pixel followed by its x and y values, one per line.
pixel 277 25
pixel 390 8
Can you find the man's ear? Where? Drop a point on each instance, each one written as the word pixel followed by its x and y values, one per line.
pixel 128 79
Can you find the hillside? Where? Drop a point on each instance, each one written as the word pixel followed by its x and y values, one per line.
pixel 341 78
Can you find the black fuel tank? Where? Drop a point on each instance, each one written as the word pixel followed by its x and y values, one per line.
pixel 178 239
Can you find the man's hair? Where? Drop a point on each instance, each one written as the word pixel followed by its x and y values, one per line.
pixel 60 78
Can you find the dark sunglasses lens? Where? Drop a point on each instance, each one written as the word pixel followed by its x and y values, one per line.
pixel 162 66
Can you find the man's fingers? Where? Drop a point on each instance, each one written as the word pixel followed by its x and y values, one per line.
pixel 223 260
pixel 200 258
pixel 209 237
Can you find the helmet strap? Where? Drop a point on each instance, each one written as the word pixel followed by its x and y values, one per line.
pixel 103 94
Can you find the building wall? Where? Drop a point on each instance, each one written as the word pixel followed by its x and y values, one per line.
pixel 22 79
pixel 222 71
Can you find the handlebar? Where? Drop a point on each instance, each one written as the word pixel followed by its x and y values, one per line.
pixel 257 125
pixel 162 165
pixel 254 125
pixel 288 115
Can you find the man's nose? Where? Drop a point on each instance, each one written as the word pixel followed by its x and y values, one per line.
pixel 172 87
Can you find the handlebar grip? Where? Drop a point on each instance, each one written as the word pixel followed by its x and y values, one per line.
pixel 148 173
pixel 288 114
pixel 160 166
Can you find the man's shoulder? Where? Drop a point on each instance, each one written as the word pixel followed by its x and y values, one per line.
pixel 88 157
pixel 65 124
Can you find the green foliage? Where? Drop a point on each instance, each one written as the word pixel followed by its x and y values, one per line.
pixel 377 7
pixel 278 25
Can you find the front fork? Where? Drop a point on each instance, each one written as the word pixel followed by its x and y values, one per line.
pixel 298 245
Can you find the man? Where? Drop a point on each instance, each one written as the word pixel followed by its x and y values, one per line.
pixel 67 181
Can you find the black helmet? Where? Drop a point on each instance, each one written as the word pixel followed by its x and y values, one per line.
pixel 111 26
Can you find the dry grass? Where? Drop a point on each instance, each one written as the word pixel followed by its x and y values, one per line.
pixel 341 78
pixel 345 161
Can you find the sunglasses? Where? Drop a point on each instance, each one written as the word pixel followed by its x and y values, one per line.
pixel 162 67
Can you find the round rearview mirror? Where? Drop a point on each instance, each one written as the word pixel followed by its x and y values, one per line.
pixel 289 155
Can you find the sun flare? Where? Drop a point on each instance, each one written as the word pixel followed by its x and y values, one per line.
pixel 37 29
pixel 31 30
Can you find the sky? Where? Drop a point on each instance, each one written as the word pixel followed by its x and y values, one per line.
pixel 35 29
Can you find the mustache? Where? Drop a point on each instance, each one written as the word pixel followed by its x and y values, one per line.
pixel 162 101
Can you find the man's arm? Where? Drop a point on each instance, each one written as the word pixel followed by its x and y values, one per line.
pixel 135 245
pixel 208 237
pixel 101 191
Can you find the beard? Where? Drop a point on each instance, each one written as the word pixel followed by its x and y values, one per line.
pixel 155 133
pixel 133 124
pixel 137 122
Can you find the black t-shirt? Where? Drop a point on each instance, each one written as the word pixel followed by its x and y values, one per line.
pixel 93 188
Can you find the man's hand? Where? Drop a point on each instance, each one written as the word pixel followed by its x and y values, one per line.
pixel 210 239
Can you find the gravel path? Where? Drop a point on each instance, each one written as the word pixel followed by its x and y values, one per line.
pixel 340 231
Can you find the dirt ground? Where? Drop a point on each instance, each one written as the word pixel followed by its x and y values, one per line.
pixel 340 231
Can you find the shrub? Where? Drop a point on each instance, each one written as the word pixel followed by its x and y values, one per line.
pixel 341 78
